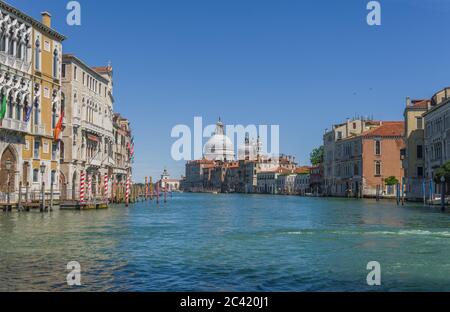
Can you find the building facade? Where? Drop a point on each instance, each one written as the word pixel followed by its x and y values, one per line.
pixel 30 86
pixel 88 135
pixel 361 162
pixel 414 153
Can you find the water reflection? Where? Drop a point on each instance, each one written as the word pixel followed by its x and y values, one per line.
pixel 232 242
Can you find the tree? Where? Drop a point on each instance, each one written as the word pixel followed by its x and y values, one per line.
pixel 317 156
pixel 391 181
pixel 442 171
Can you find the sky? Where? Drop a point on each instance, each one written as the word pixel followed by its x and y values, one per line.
pixel 301 64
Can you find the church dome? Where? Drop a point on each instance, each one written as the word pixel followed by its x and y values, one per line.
pixel 219 146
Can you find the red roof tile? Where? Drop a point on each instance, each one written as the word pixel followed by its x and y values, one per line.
pixel 387 129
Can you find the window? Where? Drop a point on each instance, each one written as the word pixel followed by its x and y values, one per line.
pixel 420 172
pixel 54 151
pixel 37 146
pixel 54 116
pixel 63 70
pixel 84 78
pixel 75 69
pixel 55 63
pixel 377 147
pixel 35 175
pixel 419 123
pixel 378 168
pixel 37 60
pixel 339 135
pixel 354 126
pixel 419 151
pixel 53 177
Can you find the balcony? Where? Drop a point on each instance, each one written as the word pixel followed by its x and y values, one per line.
pixel 39 130
pixel 15 125
pixel 14 62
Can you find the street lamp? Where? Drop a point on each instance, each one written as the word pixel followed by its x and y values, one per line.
pixel 8 165
pixel 443 193
pixel 42 168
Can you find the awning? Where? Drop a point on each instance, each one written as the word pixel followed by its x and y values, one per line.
pixel 94 138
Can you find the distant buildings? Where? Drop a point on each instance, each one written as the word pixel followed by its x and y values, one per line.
pixel 168 184
pixel 360 155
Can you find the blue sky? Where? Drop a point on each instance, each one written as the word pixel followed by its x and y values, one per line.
pixel 303 65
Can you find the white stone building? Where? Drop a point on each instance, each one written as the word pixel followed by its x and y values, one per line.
pixel 88 134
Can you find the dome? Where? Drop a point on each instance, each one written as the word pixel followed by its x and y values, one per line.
pixel 219 146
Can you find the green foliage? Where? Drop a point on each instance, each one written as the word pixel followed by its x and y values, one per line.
pixel 391 181
pixel 442 171
pixel 317 156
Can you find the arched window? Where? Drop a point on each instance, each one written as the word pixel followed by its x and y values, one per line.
pixel 10 107
pixel 55 63
pixel 18 111
pixel 63 104
pixel 54 116
pixel 36 112
pixel 37 60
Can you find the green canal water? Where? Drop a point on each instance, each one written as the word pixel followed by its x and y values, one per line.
pixel 199 242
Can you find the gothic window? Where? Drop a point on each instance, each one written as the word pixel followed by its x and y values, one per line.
pixel 37 54
pixel 54 116
pixel 10 107
pixel 55 63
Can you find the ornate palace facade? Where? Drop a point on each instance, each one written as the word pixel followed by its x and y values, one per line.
pixel 30 93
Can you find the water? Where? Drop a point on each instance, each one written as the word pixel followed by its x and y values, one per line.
pixel 229 243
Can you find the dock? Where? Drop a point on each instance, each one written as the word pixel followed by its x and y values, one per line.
pixel 84 205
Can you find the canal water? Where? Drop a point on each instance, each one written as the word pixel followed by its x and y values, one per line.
pixel 202 242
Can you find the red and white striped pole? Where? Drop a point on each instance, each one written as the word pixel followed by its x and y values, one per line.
pixel 89 187
pixel 127 192
pixel 106 186
pixel 82 181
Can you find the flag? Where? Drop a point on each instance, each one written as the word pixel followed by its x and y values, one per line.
pixel 59 127
pixel 3 108
pixel 28 115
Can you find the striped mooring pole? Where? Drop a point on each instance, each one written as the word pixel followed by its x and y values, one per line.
pixel 127 192
pixel 89 187
pixel 82 184
pixel 106 182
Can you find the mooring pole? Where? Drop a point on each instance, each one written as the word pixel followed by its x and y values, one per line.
pixel 51 194
pixel 43 197
pixel 19 205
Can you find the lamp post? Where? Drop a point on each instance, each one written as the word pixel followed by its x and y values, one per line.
pixel 443 193
pixel 8 165
pixel 42 169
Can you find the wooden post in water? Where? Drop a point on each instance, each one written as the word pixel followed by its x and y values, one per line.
pixel 19 205
pixel 151 188
pixel 43 197
pixel 146 189
pixel 165 193
pixel 27 189
pixel 51 194
pixel 157 193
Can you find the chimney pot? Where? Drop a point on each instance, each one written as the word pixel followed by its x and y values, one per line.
pixel 46 19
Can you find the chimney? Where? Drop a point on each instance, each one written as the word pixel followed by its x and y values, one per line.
pixel 408 101
pixel 46 19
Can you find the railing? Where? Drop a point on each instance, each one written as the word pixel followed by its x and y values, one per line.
pixel 14 62
pixel 15 125
pixel 39 129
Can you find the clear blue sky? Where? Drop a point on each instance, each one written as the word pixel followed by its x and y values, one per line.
pixel 301 64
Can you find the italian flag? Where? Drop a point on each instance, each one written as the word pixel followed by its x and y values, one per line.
pixel 58 128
